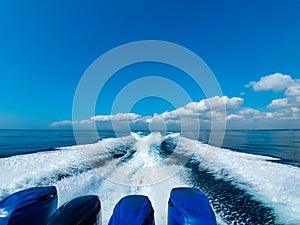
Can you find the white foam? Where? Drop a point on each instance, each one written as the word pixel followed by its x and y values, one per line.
pixel 42 168
pixel 275 184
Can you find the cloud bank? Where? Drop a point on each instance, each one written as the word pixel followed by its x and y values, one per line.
pixel 190 114
pixel 280 113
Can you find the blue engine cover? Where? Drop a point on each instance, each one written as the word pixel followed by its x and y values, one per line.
pixel 85 210
pixel 189 206
pixel 133 210
pixel 31 206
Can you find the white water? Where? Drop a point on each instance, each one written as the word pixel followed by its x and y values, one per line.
pixel 276 185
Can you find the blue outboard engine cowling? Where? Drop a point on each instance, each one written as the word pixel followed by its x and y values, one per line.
pixel 189 206
pixel 133 210
pixel 31 206
pixel 85 210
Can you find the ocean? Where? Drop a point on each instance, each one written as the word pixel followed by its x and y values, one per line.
pixel 252 178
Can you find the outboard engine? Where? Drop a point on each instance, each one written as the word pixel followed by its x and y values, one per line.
pixel 31 206
pixel 189 206
pixel 85 210
pixel 133 210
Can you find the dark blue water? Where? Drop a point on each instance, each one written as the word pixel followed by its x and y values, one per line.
pixel 282 144
pixel 14 142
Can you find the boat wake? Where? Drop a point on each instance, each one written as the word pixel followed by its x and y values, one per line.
pixel 242 188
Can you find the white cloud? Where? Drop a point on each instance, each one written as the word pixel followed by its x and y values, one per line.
pixel 292 98
pixel 203 110
pixel 292 113
pixel 234 117
pixel 216 103
pixel 249 111
pixel 61 123
pixel 105 119
pixel 116 117
pixel 293 90
pixel 233 103
pixel 274 82
pixel 278 103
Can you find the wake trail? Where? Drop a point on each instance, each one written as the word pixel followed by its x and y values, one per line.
pixel 245 188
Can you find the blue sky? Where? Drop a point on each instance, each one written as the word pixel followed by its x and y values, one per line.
pixel 46 46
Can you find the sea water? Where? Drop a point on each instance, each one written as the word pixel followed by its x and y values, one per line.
pixel 253 178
